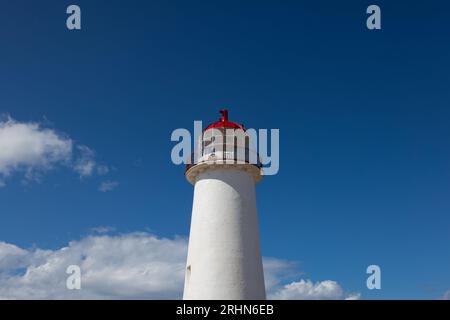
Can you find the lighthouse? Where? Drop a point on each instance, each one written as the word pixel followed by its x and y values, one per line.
pixel 224 259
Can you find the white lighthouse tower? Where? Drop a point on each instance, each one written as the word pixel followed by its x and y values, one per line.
pixel 224 258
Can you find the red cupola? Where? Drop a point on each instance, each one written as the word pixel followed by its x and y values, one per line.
pixel 224 123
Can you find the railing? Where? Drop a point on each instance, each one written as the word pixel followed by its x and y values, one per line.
pixel 225 156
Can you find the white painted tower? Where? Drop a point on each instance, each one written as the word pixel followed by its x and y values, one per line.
pixel 224 258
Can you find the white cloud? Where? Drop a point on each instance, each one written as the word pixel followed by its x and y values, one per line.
pixel 29 148
pixel 32 150
pixel 102 170
pixel 11 256
pixel 108 186
pixel 353 296
pixel 85 162
pixel 446 295
pixel 103 229
pixel 277 271
pixel 130 266
pixel 307 290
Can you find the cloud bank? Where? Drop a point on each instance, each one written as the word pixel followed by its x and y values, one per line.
pixel 29 149
pixel 307 290
pixel 108 186
pixel 446 295
pixel 132 266
pixel 129 266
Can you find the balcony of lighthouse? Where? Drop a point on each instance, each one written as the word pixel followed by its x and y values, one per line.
pixel 224 149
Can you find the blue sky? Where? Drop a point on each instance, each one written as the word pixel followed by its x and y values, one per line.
pixel 364 119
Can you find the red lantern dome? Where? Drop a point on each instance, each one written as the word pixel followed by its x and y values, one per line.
pixel 224 123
